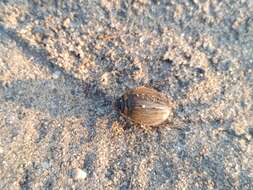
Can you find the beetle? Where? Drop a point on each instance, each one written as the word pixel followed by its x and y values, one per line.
pixel 145 106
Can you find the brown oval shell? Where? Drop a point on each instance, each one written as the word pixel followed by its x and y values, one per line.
pixel 145 106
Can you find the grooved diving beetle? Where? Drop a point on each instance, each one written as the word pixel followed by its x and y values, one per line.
pixel 145 106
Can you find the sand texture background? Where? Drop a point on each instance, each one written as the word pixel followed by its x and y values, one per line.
pixel 62 63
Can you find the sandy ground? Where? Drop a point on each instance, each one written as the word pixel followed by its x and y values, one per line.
pixel 62 63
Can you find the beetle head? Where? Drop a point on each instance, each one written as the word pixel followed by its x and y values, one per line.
pixel 119 104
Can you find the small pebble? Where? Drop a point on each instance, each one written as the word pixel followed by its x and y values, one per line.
pixel 56 74
pixel 79 174
pixel 66 23
pixel 1 150
pixel 105 78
